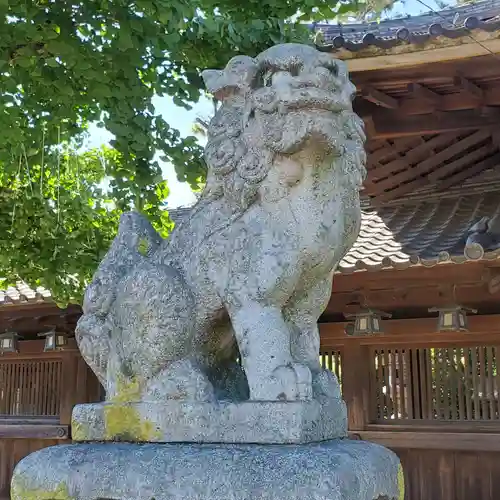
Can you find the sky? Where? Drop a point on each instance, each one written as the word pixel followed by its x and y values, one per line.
pixel 180 193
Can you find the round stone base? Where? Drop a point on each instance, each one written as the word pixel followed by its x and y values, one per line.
pixel 331 470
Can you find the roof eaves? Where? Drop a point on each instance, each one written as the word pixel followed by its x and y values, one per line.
pixel 452 24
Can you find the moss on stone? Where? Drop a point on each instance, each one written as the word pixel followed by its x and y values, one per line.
pixel 19 491
pixel 124 423
pixel 79 431
pixel 401 482
pixel 127 390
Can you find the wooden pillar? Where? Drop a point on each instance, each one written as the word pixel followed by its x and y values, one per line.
pixel 68 386
pixel 355 384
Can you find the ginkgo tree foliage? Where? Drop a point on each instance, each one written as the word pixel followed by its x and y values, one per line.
pixel 65 64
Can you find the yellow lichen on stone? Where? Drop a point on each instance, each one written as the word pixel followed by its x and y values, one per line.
pixel 79 431
pixel 401 482
pixel 123 422
pixel 20 492
pixel 127 391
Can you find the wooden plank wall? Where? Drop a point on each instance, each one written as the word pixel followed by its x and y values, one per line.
pixel 443 459
pixel 448 442
pixel 447 475
pixel 67 381
pixel 12 451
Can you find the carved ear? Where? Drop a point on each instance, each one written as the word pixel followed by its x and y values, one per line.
pixel 214 80
pixel 235 78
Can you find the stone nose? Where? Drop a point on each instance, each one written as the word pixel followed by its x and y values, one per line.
pixel 319 77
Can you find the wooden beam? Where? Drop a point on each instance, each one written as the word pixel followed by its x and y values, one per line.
pixel 430 73
pixel 355 384
pixel 33 349
pixel 459 101
pixel 419 152
pixel 394 279
pixel 34 431
pixel 424 167
pixel 436 440
pixel 381 171
pixel 387 124
pixel 373 146
pixel 379 98
pixel 468 87
pixel 485 111
pixel 68 392
pixel 495 138
pixel 415 298
pixel 491 162
pixel 418 91
pixel 419 331
pixel 460 163
pixel 400 146
pixel 380 154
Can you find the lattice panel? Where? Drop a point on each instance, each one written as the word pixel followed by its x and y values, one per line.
pixel 446 384
pixel 405 165
pixel 332 360
pixel 30 388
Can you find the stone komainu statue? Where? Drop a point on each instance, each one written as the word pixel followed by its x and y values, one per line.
pixel 250 270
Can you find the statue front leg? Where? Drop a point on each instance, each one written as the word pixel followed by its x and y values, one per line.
pixel 302 317
pixel 264 342
pixel 305 350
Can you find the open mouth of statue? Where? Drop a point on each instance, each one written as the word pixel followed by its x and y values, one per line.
pixel 310 98
pixel 315 98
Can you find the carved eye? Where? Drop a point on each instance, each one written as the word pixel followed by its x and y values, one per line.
pixel 295 69
pixel 332 68
pixel 267 79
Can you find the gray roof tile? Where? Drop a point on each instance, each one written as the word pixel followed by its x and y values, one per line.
pixel 453 22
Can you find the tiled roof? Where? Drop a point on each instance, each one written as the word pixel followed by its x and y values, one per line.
pixel 451 23
pixel 422 233
pixel 427 233
pixel 23 294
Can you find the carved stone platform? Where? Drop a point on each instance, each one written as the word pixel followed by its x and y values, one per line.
pixel 223 422
pixel 334 470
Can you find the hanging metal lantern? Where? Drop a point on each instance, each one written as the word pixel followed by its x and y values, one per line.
pixel 452 318
pixel 9 342
pixel 54 340
pixel 368 321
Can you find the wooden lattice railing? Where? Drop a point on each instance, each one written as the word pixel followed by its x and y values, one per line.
pixel 30 388
pixel 435 384
pixel 332 360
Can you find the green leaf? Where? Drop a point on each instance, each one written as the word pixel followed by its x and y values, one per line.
pixel 125 40
pixel 52 62
pixel 64 69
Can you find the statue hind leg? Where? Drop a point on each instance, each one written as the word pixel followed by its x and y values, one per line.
pixel 155 356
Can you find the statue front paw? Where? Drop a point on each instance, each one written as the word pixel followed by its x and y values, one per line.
pixel 291 382
pixel 325 384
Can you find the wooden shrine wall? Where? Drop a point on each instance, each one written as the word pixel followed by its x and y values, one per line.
pixel 431 397
pixel 434 398
pixel 37 393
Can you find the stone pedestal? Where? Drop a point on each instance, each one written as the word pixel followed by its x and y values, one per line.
pixel 339 469
pixel 219 422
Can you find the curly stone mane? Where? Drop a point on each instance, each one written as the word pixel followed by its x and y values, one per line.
pixel 256 122
pixel 236 167
pixel 252 126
